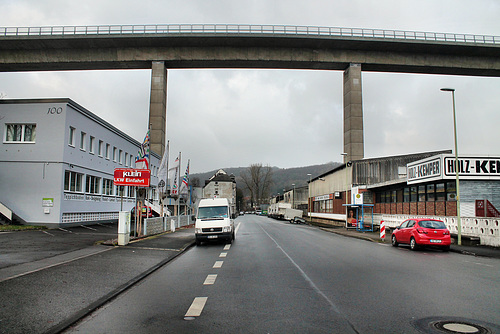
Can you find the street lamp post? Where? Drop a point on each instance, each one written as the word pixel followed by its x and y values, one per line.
pixel 346 187
pixel 309 198
pixel 457 167
pixel 293 196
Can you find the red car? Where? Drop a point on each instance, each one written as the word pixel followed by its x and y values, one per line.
pixel 421 232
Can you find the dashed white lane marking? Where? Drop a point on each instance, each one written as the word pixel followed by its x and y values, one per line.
pixel 223 254
pixel 218 264
pixel 226 247
pixel 210 279
pixel 60 228
pixel 196 307
pixel 48 233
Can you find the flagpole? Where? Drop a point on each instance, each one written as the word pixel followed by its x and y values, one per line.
pixel 179 193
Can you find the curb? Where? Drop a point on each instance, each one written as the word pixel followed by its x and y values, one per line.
pixel 362 237
pixel 73 319
pixel 452 249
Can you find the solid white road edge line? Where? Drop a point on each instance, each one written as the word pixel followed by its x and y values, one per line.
pixel 196 307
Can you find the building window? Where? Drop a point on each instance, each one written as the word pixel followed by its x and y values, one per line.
pixel 406 195
pixel 451 191
pixel 83 135
pixel 126 159
pixel 91 144
pixel 131 191
pixel 73 181
pixel 114 154
pixel 99 148
pixel 393 196
pixel 107 187
pixel 440 192
pixel 93 184
pixel 71 136
pixel 20 133
pixel 421 193
pixel 131 160
pixel 107 151
pixel 120 157
pixel 431 197
pixel 413 194
pixel 121 191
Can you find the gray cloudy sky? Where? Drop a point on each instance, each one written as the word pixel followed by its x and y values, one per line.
pixel 284 118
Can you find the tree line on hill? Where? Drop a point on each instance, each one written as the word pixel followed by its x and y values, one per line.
pixel 258 181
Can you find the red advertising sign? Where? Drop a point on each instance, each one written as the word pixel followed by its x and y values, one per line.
pixel 132 177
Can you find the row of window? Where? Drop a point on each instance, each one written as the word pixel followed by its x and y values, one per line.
pixel 93 185
pixel 444 191
pixel 20 133
pixel 104 150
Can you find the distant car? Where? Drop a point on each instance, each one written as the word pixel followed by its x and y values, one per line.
pixel 146 211
pixel 422 232
pixel 298 220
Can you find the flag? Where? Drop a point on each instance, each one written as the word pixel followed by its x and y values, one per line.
pixel 173 178
pixel 142 159
pixel 163 169
pixel 183 190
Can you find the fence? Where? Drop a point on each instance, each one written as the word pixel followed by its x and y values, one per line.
pixel 247 29
pixel 158 225
pixel 486 229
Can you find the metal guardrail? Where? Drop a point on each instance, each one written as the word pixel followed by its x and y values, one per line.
pixel 246 29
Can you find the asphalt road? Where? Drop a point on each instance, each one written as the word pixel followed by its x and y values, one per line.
pixel 283 278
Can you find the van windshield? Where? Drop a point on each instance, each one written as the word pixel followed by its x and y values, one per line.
pixel 212 212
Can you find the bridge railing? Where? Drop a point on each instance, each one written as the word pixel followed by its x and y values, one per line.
pixel 247 29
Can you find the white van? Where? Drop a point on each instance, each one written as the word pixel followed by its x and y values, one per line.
pixel 214 220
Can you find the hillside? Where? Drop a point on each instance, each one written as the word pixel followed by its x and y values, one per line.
pixel 283 178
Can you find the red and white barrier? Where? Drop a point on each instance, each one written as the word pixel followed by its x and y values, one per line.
pixel 382 230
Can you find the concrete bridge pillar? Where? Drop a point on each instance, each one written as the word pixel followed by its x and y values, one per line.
pixel 353 114
pixel 158 107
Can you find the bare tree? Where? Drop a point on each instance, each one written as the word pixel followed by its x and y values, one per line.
pixel 258 181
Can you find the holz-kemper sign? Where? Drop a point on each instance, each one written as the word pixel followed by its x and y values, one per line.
pixel 132 177
pixel 443 167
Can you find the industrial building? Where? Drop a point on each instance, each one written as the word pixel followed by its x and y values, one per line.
pixel 57 162
pixel 396 188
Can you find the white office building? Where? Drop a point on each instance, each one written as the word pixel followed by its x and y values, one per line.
pixel 57 161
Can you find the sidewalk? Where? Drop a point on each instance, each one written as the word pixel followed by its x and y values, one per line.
pixel 485 251
pixel 50 294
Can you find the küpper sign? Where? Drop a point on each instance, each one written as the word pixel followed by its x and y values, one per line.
pixel 132 177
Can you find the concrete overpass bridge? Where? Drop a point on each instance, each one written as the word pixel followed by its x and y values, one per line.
pixel 162 47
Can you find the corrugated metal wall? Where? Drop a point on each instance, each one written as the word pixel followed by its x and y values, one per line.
pixel 380 170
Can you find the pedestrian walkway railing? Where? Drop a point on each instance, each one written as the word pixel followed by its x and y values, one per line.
pixel 235 29
pixel 487 229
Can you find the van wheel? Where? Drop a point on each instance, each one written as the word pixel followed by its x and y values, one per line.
pixel 230 240
pixel 198 242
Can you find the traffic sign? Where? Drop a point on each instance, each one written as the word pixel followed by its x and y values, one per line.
pixel 132 177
